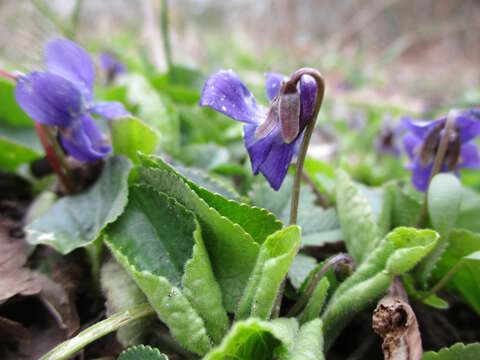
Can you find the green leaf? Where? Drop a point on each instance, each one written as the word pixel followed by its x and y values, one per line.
pixel 411 248
pixel 18 146
pixel 207 181
pixel 444 202
pixel 356 217
pixel 232 231
pixel 130 135
pixel 316 301
pixel 309 342
pixel 405 204
pixel 463 247
pixel 142 352
pixel 257 339
pixel 301 267
pixel 273 262
pixel 155 110
pixel 76 221
pixel 455 352
pixel 10 112
pixel 469 211
pixel 373 276
pixel 122 294
pixel 159 243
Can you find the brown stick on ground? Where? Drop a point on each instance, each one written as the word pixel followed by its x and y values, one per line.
pixel 395 321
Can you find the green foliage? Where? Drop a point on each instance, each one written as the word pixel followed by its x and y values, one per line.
pixel 444 202
pixel 309 342
pixel 169 256
pixel 462 253
pixel 76 221
pixel 457 351
pixel 142 352
pixel 319 226
pixel 10 112
pixel 130 135
pixel 375 275
pixel 316 301
pixel 232 247
pixel 155 110
pixel 275 257
pixel 356 217
pixel 301 267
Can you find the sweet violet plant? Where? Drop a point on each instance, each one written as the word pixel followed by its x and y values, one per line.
pixel 201 271
pixel 62 96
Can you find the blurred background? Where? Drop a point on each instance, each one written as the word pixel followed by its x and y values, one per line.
pixel 427 51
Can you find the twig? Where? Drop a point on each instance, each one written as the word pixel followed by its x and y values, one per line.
pixel 395 321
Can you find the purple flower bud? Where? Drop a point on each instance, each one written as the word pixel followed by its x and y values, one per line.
pixel 111 65
pixel 63 96
pixel 423 139
pixel 272 136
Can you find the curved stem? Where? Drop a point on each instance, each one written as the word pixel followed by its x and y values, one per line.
pixel 94 332
pixel 295 78
pixel 334 261
pixel 438 161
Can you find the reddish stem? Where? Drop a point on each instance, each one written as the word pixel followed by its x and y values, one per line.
pixel 52 158
pixel 7 75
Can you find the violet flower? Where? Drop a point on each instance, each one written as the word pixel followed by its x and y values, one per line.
pixel 388 142
pixel 423 138
pixel 270 143
pixel 111 65
pixel 63 96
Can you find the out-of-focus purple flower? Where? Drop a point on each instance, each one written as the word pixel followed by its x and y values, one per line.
pixel 423 138
pixel 111 65
pixel 388 142
pixel 270 142
pixel 63 96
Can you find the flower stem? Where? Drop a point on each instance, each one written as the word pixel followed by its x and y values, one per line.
pixel 438 161
pixel 295 78
pixel 55 157
pixel 333 262
pixel 96 331
pixel 7 75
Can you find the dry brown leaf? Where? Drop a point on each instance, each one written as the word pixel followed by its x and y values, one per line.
pixel 395 321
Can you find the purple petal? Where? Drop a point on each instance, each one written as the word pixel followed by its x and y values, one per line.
pixel 411 143
pixel 469 157
pixel 272 84
pixel 469 125
pixel 65 58
pixel 258 149
pixel 48 98
pixel 421 175
pixel 308 95
pixel 420 128
pixel 225 93
pixel 84 141
pixel 275 166
pixel 109 110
